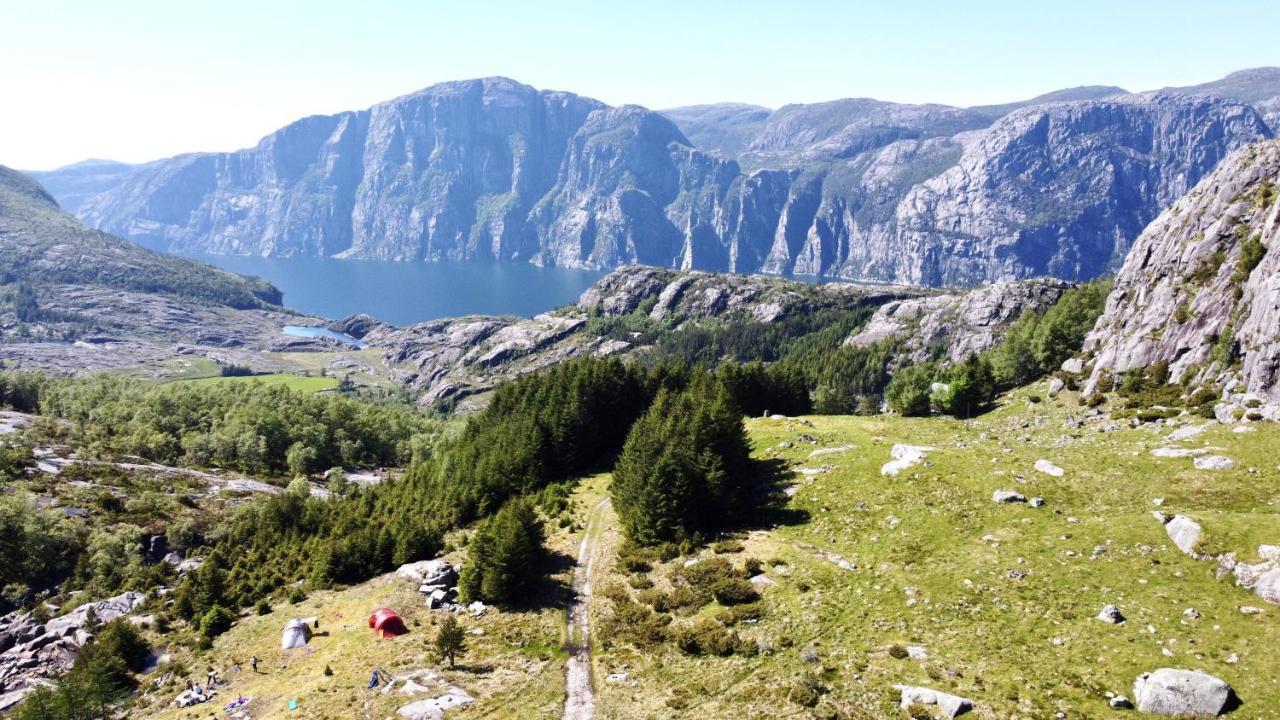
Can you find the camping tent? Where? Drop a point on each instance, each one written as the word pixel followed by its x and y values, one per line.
pixel 296 634
pixel 387 623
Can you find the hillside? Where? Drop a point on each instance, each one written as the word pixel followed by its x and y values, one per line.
pixel 44 245
pixel 1198 292
pixel 868 581
pixel 858 189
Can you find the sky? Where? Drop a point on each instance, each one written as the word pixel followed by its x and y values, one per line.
pixel 137 80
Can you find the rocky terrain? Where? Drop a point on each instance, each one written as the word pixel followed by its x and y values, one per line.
pixel 858 189
pixel 451 359
pixel 958 324
pixel 1201 289
pixel 81 301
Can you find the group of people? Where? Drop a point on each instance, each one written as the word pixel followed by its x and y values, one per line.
pixel 213 680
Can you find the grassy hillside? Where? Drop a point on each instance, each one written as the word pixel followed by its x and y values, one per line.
pixel 936 564
pixel 40 243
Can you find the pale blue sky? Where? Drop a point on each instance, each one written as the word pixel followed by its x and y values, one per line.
pixel 138 80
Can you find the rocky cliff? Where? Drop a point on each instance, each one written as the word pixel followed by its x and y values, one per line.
pixel 857 189
pixel 1201 287
pixel 957 325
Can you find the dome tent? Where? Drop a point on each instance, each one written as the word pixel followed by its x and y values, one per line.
pixel 296 634
pixel 386 623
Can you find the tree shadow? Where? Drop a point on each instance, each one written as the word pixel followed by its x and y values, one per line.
pixel 477 669
pixel 553 589
pixel 768 504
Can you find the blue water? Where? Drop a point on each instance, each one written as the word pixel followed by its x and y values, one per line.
pixel 403 293
pixel 308 331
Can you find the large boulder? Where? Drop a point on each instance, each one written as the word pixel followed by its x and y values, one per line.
pixel 1184 532
pixel 1181 693
pixel 950 705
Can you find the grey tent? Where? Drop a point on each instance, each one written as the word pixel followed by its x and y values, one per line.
pixel 296 634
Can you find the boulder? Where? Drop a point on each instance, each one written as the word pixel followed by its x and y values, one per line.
pixel 950 705
pixel 1075 366
pixel 1008 496
pixel 1184 532
pixel 1213 462
pixel 1182 693
pixel 1049 468
pixel 1111 614
pixel 1056 385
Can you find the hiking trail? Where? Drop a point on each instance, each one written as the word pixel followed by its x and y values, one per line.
pixel 579 702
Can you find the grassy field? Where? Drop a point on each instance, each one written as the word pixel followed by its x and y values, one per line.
pixel 936 564
pixel 1002 598
pixel 303 383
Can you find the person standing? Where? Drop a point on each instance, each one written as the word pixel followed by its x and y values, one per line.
pixel 253 663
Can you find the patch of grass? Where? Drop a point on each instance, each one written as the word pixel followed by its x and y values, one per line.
pixel 296 382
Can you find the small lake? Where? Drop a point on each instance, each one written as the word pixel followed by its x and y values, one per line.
pixel 311 331
pixel 403 293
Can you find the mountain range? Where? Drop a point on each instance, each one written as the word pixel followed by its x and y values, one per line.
pixel 490 169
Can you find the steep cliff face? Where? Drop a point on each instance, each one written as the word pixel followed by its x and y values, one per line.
pixel 857 189
pixel 1201 287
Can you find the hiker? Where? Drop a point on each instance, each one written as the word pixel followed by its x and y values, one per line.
pixel 213 677
pixel 190 686
pixel 253 663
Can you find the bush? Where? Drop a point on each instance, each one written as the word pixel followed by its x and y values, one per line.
pixel 740 613
pixel 706 638
pixel 263 607
pixel 216 621
pixel 898 652
pixel 909 392
pixel 734 592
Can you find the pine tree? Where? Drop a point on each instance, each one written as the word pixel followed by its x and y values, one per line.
pixel 451 639
pixel 506 556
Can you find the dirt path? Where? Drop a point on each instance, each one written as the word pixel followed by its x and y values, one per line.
pixel 579 702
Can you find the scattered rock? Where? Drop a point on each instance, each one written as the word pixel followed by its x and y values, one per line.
pixel 1111 614
pixel 831 451
pixel 1185 533
pixel 1214 462
pixel 1188 432
pixel 1120 702
pixel 1049 468
pixel 904 456
pixel 1184 693
pixel 1037 502
pixel 950 705
pixel 1055 386
pixel 916 652
pixel 1008 496
pixel 1191 614
pixel 1250 610
pixel 1075 366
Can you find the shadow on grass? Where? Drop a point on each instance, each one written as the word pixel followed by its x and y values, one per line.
pixel 552 589
pixel 769 505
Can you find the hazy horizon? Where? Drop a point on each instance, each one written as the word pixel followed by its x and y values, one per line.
pixel 154 80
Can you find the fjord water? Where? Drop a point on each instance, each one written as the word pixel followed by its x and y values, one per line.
pixel 403 293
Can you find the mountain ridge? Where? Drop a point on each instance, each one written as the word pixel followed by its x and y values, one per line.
pixel 856 189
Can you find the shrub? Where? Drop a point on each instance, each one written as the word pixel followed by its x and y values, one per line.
pixel 909 390
pixel 897 652
pixel 740 613
pixel 707 572
pixel 734 591
pixel 216 621
pixel 263 607
pixel 706 638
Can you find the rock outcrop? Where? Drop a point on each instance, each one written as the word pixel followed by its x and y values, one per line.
pixel 1201 289
pixel 960 324
pixel 855 189
pixel 32 653
pixel 447 361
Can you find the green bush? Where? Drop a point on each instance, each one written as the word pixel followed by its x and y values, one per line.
pixel 734 591
pixel 216 621
pixel 909 392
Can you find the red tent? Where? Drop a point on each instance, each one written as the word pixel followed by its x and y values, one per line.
pixel 386 623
